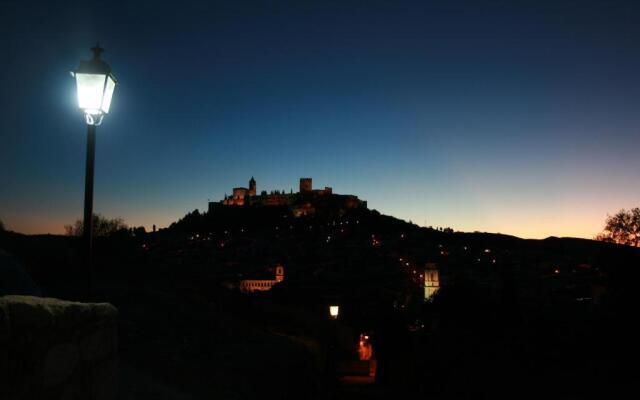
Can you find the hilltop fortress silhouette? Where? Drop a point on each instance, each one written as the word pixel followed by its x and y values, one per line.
pixel 305 202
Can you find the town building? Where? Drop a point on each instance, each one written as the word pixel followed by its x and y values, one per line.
pixel 253 285
pixel 304 202
pixel 431 280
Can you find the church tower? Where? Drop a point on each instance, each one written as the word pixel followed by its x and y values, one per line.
pixel 252 187
pixel 279 273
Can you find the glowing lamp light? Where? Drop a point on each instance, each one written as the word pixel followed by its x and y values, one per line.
pixel 95 84
pixel 334 311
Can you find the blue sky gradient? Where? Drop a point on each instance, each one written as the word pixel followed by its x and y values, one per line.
pixel 499 116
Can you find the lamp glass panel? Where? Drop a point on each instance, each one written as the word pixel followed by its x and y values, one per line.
pixel 333 310
pixel 90 88
pixel 108 94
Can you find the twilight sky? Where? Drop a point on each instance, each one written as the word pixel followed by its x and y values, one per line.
pixel 501 116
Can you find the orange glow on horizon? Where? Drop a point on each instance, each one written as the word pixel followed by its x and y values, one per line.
pixel 522 224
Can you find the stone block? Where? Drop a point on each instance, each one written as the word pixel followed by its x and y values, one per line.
pixel 97 345
pixel 57 349
pixel 60 363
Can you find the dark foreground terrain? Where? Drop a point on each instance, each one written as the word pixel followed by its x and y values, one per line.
pixel 517 318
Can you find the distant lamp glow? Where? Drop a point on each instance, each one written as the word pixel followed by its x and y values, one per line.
pixel 334 311
pixel 95 84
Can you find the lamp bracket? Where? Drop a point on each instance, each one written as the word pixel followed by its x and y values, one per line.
pixel 93 119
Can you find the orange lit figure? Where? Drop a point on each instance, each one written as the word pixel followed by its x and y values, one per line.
pixel 365 351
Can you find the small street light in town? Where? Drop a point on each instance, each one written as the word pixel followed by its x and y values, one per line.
pixel 334 311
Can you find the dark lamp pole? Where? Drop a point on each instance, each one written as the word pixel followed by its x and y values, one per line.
pixel 87 231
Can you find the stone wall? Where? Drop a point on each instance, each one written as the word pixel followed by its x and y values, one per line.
pixel 54 349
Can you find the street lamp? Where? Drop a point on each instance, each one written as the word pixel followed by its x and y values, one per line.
pixel 95 84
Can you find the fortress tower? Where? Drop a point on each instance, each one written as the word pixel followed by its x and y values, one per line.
pixel 305 185
pixel 252 187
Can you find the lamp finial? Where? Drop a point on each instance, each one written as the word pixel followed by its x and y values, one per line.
pixel 97 50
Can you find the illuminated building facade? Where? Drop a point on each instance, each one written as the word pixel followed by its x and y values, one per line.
pixel 304 202
pixel 252 285
pixel 431 280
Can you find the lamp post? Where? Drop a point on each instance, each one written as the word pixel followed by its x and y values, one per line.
pixel 95 84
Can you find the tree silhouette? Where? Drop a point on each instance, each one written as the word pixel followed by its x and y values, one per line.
pixel 101 226
pixel 622 228
pixel 1 226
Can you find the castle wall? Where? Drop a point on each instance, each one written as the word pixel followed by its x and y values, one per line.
pixel 303 209
pixel 233 201
pixel 273 199
pixel 239 192
pixel 351 202
pixel 305 202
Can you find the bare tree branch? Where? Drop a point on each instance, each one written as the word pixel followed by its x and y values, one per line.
pixel 622 228
pixel 101 226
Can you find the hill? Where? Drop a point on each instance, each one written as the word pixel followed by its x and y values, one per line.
pixel 528 312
